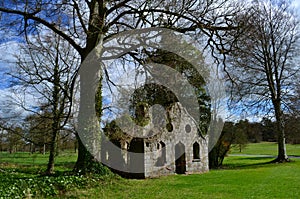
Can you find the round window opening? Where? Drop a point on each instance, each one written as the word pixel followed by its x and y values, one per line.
pixel 169 127
pixel 188 128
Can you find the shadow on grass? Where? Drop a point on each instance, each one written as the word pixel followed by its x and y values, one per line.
pixel 68 165
pixel 61 168
pixel 26 172
pixel 250 163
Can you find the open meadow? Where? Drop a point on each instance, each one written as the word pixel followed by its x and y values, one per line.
pixel 266 148
pixel 241 177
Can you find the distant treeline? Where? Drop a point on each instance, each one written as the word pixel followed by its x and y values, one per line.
pixel 265 130
pixel 238 134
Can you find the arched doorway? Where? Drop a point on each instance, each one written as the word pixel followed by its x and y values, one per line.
pixel 180 162
pixel 136 158
pixel 196 151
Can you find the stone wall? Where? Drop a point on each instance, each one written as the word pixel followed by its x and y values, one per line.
pixel 162 145
pixel 184 132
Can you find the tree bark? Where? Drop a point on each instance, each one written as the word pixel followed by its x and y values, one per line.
pixel 89 126
pixel 282 155
pixel 213 158
pixel 56 114
pixel 89 142
pixel 51 161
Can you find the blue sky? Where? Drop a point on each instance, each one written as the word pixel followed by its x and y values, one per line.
pixel 9 46
pixel 6 50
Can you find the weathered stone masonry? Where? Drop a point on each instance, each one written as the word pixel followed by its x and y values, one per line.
pixel 175 147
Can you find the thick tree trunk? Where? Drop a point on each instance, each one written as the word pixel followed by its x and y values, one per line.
pixel 89 126
pixel 54 136
pixel 213 158
pixel 89 135
pixel 90 76
pixel 86 162
pixel 282 155
pixel 51 161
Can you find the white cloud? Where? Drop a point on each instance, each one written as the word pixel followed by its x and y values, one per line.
pixel 17 103
pixel 11 96
pixel 8 51
pixel 296 4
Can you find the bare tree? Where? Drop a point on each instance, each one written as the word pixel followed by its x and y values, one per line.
pixel 262 63
pixel 46 67
pixel 88 23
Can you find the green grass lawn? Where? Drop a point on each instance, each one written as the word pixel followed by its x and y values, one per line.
pixel 266 148
pixel 64 161
pixel 240 177
pixel 252 179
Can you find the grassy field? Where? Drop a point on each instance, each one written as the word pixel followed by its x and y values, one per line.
pixel 63 161
pixel 254 179
pixel 241 177
pixel 266 148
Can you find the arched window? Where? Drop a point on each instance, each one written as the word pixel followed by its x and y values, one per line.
pixel 169 127
pixel 162 159
pixel 163 152
pixel 196 151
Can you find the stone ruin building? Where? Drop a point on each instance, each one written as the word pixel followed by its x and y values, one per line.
pixel 174 147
